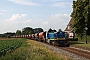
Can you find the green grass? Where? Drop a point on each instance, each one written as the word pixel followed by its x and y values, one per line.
pixel 84 45
pixel 83 39
pixel 81 42
pixel 32 50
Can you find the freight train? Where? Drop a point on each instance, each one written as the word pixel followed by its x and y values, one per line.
pixel 54 38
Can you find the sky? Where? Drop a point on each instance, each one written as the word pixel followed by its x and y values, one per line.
pixel 18 14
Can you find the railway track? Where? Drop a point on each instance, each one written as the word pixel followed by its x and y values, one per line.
pixel 85 54
pixel 80 52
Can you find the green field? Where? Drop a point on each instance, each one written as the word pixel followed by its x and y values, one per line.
pixel 30 50
pixel 8 46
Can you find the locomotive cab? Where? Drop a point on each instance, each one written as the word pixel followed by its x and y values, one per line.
pixel 62 41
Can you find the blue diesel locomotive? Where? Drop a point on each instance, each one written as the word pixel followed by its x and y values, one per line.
pixel 56 38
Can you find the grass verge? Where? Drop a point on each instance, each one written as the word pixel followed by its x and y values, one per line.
pixel 81 42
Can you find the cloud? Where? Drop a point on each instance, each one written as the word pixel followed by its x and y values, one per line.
pixel 24 2
pixel 17 16
pixel 28 21
pixel 57 0
pixel 58 21
pixel 61 4
pixel 60 16
pixel 14 23
pixel 50 0
pixel 15 20
pixel 45 23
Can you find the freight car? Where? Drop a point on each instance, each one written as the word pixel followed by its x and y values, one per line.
pixel 33 36
pixel 42 36
pixel 36 36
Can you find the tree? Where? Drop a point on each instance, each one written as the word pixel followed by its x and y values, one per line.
pixel 2 35
pixel 18 32
pixel 80 16
pixel 59 30
pixel 51 30
pixel 86 15
pixel 27 30
pixel 9 34
pixel 37 30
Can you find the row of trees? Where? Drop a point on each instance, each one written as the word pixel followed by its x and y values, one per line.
pixel 81 16
pixel 8 34
pixel 27 31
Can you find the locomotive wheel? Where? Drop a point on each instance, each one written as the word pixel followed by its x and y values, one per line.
pixel 68 45
pixel 54 43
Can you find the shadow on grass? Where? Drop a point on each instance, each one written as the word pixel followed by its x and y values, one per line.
pixel 72 42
